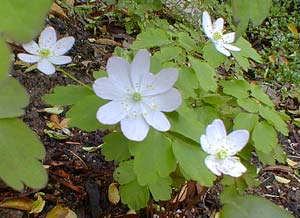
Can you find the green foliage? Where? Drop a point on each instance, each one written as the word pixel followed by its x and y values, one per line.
pixel 4 61
pixel 212 56
pixel 264 137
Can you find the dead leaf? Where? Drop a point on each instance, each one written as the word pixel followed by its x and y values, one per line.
pixel 71 214
pixel 282 180
pixel 20 203
pixel 70 2
pixel 291 162
pixel 272 58
pixel 293 29
pixel 283 60
pixel 38 205
pixel 181 196
pixel 113 193
pixel 58 212
pixel 105 41
pixel 57 10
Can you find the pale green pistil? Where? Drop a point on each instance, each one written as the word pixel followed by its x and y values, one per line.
pixel 218 36
pixel 44 53
pixel 221 154
pixel 137 96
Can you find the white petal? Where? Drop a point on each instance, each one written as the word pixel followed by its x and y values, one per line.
pixel 207 147
pixel 46 67
pixel 167 101
pixel 218 25
pixel 228 38
pixel 112 112
pixel 216 135
pixel 28 58
pixel 63 45
pixel 232 166
pixel 236 141
pixel 212 164
pixel 231 47
pixel 207 24
pixel 59 60
pixel 160 82
pixel 220 48
pixel 106 89
pixel 155 118
pixel 31 47
pixel 140 66
pixel 118 70
pixel 47 38
pixel 135 128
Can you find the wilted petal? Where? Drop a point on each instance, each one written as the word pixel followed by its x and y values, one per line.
pixel 135 127
pixel 63 45
pixel 47 38
pixel 231 47
pixel 236 141
pixel 106 89
pixel 232 166
pixel 155 118
pixel 212 164
pixel 31 47
pixel 139 67
pixel 220 48
pixel 160 82
pixel 112 112
pixel 207 25
pixel 28 58
pixel 228 38
pixel 218 25
pixel 216 134
pixel 59 60
pixel 46 67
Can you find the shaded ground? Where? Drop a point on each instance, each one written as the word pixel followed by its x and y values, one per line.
pixel 80 180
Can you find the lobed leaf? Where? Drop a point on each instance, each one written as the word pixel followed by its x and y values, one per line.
pixel 236 88
pixel 264 137
pixel 161 190
pixel 212 56
pixel 124 173
pixel 4 60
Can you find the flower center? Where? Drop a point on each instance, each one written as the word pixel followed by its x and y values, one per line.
pixel 221 154
pixel 218 35
pixel 137 96
pixel 44 52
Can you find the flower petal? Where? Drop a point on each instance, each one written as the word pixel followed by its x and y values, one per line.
pixel 112 112
pixel 63 45
pixel 106 89
pixel 236 141
pixel 229 37
pixel 220 48
pixel 155 118
pixel 28 58
pixel 232 166
pixel 207 25
pixel 135 128
pixel 231 47
pixel 31 47
pixel 207 147
pixel 160 82
pixel 45 67
pixel 118 70
pixel 167 101
pixel 47 38
pixel 140 66
pixel 212 164
pixel 218 25
pixel 216 135
pixel 59 60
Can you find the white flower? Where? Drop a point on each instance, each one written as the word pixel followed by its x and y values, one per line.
pixel 215 33
pixel 49 51
pixel 222 148
pixel 138 96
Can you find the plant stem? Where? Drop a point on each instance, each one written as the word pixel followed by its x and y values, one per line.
pixel 73 78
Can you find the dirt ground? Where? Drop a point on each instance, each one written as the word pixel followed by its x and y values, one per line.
pixel 80 179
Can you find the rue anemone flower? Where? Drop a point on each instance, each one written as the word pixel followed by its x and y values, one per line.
pixel 222 149
pixel 48 51
pixel 137 96
pixel 214 31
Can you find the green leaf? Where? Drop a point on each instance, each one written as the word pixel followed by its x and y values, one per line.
pixel 83 113
pixel 134 195
pixel 249 104
pixel 236 88
pixel 190 158
pixel 212 56
pixel 206 115
pixel 266 158
pixel 124 174
pixel 67 95
pixel 187 82
pixel 21 154
pixel 161 189
pixel 264 137
pixel 157 150
pixel 259 94
pixel 21 19
pixel 99 74
pixel 215 99
pixel 115 147
pixel 252 207
pixel 4 60
pixel 151 38
pixel 13 98
pixel 255 10
pixel 186 41
pixel 245 121
pixel 273 117
pixel 205 74
pixel 246 52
